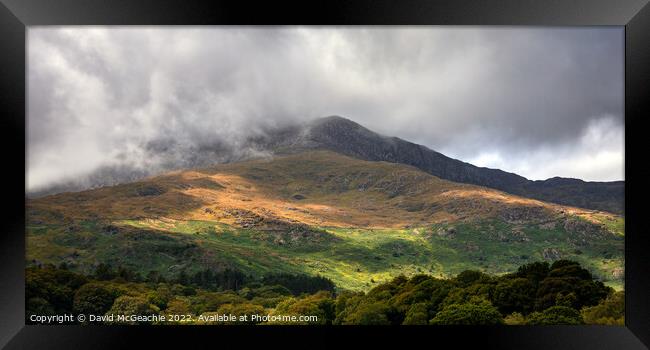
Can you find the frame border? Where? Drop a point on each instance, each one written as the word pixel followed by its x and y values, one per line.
pixel 16 16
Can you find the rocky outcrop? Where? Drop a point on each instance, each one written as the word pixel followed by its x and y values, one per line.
pixel 524 214
pixel 551 254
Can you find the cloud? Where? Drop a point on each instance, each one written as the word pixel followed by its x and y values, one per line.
pixel 596 154
pixel 145 97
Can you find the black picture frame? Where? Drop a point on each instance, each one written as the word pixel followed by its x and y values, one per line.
pixel 17 15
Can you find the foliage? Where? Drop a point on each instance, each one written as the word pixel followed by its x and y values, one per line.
pixel 132 305
pixel 320 304
pixel 51 290
pixel 514 294
pixel 555 315
pixel 418 314
pixel 94 298
pixel 242 310
pixel 610 311
pixel 299 284
pixel 476 312
pixel 368 313
pixel 537 293
pixel 567 277
pixel 227 279
pixel 515 319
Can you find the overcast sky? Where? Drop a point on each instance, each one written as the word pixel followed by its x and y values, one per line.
pixel 540 102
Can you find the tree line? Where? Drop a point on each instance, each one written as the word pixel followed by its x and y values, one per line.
pixel 536 294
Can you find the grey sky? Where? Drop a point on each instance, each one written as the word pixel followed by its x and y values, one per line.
pixel 540 102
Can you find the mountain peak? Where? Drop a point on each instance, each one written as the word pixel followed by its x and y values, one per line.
pixel 335 121
pixel 333 118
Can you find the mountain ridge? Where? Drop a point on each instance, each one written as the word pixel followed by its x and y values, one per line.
pixel 349 138
pixel 344 136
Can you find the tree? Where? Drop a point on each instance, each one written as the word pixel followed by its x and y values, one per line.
pixel 299 284
pixel 470 277
pixel 178 308
pixel 320 305
pixel 514 294
pixel 38 306
pixel 93 298
pixel 160 296
pixel 183 278
pixel 345 303
pixel 132 305
pixel 515 319
pixel 476 312
pixel 610 311
pixel 128 274
pixel 586 292
pixel 418 314
pixel 568 300
pixel 154 277
pixel 104 272
pixel 534 272
pixel 567 268
pixel 205 301
pixel 55 286
pixel 421 289
pixel 555 315
pixel 241 310
pixel 463 295
pixel 368 314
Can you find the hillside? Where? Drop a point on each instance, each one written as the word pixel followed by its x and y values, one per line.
pixel 356 222
pixel 346 137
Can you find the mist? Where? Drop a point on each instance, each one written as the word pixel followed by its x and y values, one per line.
pixel 126 102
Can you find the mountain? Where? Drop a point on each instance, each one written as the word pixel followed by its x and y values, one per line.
pixel 318 213
pixel 346 137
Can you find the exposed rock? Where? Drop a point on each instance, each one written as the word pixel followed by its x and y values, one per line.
pixel 518 235
pixel 551 254
pixel 208 211
pixel 523 214
pixel 547 225
pixel 584 228
pixel 448 232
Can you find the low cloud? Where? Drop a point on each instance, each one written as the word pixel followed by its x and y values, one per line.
pixel 146 97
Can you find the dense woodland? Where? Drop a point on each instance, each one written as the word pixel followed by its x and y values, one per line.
pixel 536 294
